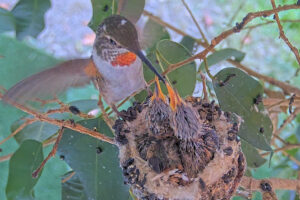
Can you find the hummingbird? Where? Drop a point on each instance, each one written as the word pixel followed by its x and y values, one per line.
pixel 115 67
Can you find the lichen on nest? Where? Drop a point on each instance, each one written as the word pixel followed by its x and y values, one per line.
pixel 179 149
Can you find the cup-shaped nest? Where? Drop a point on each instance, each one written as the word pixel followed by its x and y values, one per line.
pixel 183 152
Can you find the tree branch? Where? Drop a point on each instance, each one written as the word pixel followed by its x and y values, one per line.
pixel 195 21
pixel 26 123
pixel 284 86
pixel 286 147
pixel 271 22
pixel 62 123
pixel 276 183
pixel 287 121
pixel 287 88
pixel 283 36
pixel 173 28
pixel 249 17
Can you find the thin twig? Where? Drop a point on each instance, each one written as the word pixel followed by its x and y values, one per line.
pixel 283 36
pixel 292 158
pixel 68 177
pixel 284 86
pixel 287 88
pixel 280 139
pixel 120 6
pixel 286 147
pixel 203 78
pixel 195 21
pixel 62 109
pixel 242 43
pixel 45 144
pixel 252 184
pixel 51 154
pixel 173 28
pixel 271 22
pixel 3 89
pixel 68 124
pixel 6 157
pixel 207 70
pixel 249 17
pixel 26 123
pixel 289 119
pixel 280 102
pixel 235 13
pixel 105 116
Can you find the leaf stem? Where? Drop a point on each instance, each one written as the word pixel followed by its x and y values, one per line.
pixel 207 70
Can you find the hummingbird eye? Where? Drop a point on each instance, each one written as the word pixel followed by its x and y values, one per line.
pixel 112 42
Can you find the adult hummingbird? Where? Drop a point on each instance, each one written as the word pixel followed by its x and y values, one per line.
pixel 115 68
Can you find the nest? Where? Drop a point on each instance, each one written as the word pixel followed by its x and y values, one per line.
pixel 198 158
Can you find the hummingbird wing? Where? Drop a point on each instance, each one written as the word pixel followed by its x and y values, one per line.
pixel 50 82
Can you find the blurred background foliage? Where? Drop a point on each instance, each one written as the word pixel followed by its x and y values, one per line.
pixel 37 34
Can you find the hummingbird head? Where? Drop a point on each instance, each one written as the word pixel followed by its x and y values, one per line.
pixel 117 35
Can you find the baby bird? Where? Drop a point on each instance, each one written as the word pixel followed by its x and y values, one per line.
pixel 159 113
pixel 159 146
pixel 197 141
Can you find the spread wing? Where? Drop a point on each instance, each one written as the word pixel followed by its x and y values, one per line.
pixel 48 83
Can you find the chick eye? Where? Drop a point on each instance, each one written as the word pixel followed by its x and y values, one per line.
pixel 112 42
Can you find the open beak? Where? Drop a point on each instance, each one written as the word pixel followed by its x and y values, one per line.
pixel 175 99
pixel 149 64
pixel 158 94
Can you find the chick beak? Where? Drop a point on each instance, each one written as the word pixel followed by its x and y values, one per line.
pixel 158 94
pixel 175 99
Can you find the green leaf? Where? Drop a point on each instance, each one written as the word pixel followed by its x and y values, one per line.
pixel 7 21
pixel 292 139
pixel 169 52
pixel 221 55
pixel 188 43
pixel 101 10
pixel 41 131
pixel 13 70
pixel 132 9
pixel 152 34
pixel 183 78
pixel 29 15
pixel 29 62
pixel 19 61
pixel 253 158
pixel 25 160
pixel 99 173
pixel 73 188
pixel 238 95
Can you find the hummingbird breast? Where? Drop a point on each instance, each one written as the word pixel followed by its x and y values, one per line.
pixel 118 81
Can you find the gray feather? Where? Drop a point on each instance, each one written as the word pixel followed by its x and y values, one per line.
pixel 49 82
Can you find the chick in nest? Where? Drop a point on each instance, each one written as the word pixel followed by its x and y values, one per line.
pixel 158 115
pixel 198 142
pixel 197 157
pixel 159 146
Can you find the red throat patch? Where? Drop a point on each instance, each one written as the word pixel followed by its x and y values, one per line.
pixel 124 59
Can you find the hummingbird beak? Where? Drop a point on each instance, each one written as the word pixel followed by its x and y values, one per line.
pixel 140 54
